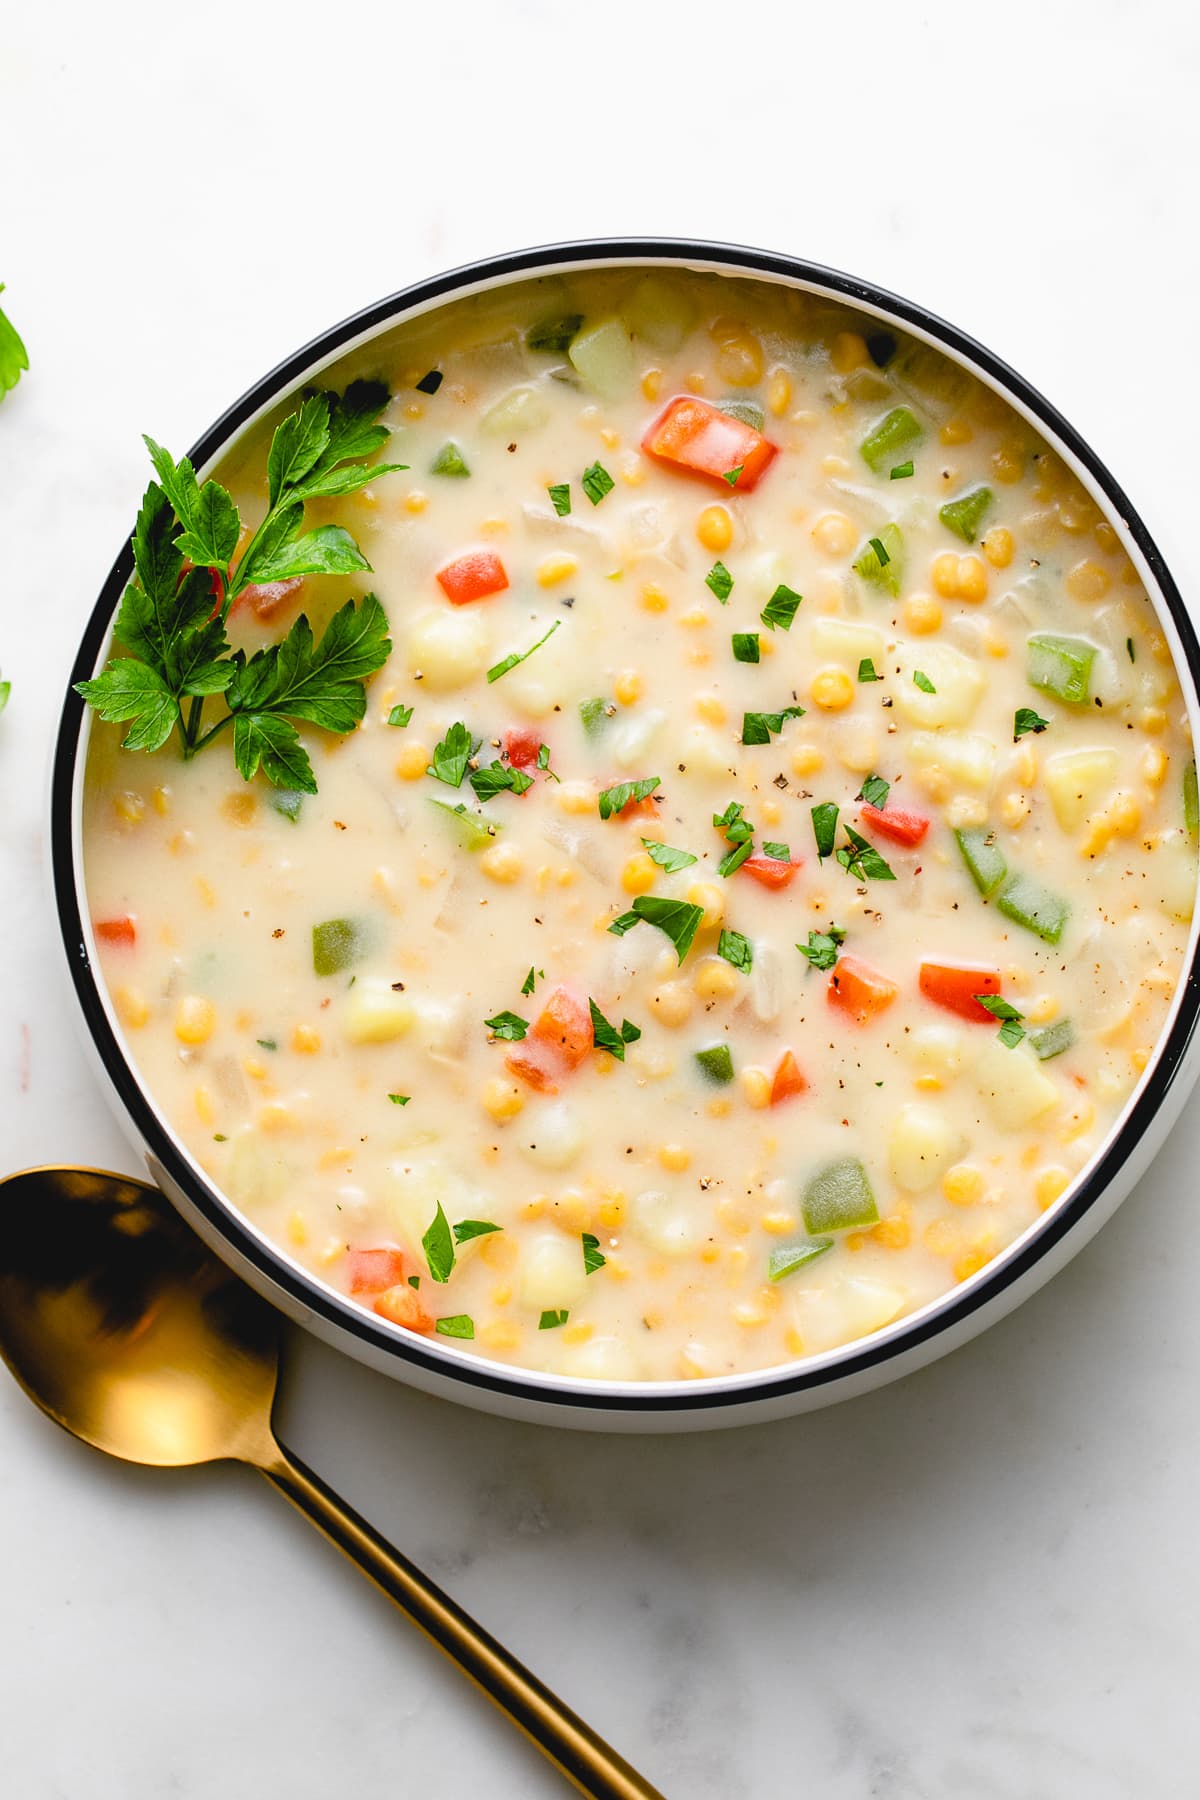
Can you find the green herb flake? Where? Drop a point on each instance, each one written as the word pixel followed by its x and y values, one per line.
pixel 757 727
pixel 901 472
pixel 452 754
pixel 881 553
pixel 497 778
pixel 551 1320
pixel 780 610
pixel 592 1257
pixel 607 1037
pixel 1130 651
pixel 778 852
pixel 921 680
pixel 267 1043
pixel 1011 1030
pixel 862 860
pixel 466 1229
pixel 678 920
pixel 716 1064
pixel 824 819
pixel 438 1245
pixel 875 791
pixel 449 461
pixel 560 498
pixel 520 656
pixel 732 862
pixel 399 1099
pixel 720 581
pixel 823 947
pixel 13 355
pixel 553 336
pixel 666 857
pixel 400 716
pixel 530 981
pixel 1025 719
pixel 867 671
pixel 614 800
pixel 737 950
pixel 456 1325
pixel 745 646
pixel 414 1281
pixel 596 482
pixel 509 1026
pixel 732 475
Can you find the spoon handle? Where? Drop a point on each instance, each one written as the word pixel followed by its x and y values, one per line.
pixel 572 1746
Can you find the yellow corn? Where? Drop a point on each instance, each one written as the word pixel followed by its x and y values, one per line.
pixel 273 1115
pixel 416 501
pixel 1008 463
pixel 628 687
pixel 779 392
pixel 306 1040
pixel 652 383
pixel 962 1185
pixel 894 1233
pixel 1048 1185
pixel 553 569
pixel 997 546
pixel 710 709
pixel 944 574
pixel 501 863
pixel 160 800
pixel 806 759
pixel 849 351
pixel 205 1109
pixel 575 797
pixel 502 1100
pixel 956 431
pixel 129 807
pixel 412 762
pixel 831 689
pixel 195 1019
pixel 714 979
pixel 674 1157
pixel 756 1086
pixel 707 896
pixel 1088 580
pixel 834 534
pixel 714 528
pixel 499 1334
pixel 611 1211
pixel 969 1263
pixel 653 599
pixel 972 579
pixel 921 614
pixel 132 1007
pixel 1154 766
pixel 639 874
pixel 672 1003
pixel 778 1223
pixel 1041 1010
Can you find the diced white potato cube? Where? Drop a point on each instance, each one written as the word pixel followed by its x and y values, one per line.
pixel 704 752
pixel 856 743
pixel 660 312
pixel 552 1134
pixel 552 1272
pixel 666 1222
pixel 373 1013
pixel 922 1143
pixel 631 740
pixel 1013 1085
pixel 600 1359
pixel 966 758
pixel 936 1049
pixel 957 680
pixel 843 1307
pixel 448 648
pixel 761 575
pixel 416 1187
pixel 440 1023
pixel 256 1176
pixel 847 642
pixel 603 354
pixel 766 982
pixel 535 687
pixel 522 409
pixel 1172 876
pixel 1078 783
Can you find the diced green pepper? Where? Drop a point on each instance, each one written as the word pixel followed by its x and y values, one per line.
pixel 1061 666
pixel 1026 902
pixel 449 461
pixel 887 570
pixel 963 515
pixel 748 411
pixel 895 431
pixel 1191 800
pixel 287 801
pixel 336 943
pixel 716 1064
pixel 1052 1040
pixel 790 1257
pixel 984 858
pixel 553 335
pixel 594 716
pixel 470 829
pixel 839 1196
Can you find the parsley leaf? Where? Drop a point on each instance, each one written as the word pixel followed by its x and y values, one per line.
pixel 455 1325
pixel 823 947
pixel 13 355
pixel 1025 719
pixel 466 1229
pixel 862 860
pixel 737 950
pixel 496 778
pixel 731 863
pixel 509 1026
pixel 399 1099
pixel 596 482
pixel 667 858
pixel 551 1320
pixel 520 656
pixel 866 670
pixel 731 475
pixel 921 680
pixel 780 609
pixel 757 727
pixel 874 791
pixel 745 646
pixel 1011 1030
pixel 560 498
pixel 734 823
pixel 607 1037
pixel 451 756
pixel 530 981
pixel 825 818
pixel 720 581
pixel 400 715
pixel 676 919
pixel 592 1258
pixel 780 852
pixel 438 1246
pixel 625 793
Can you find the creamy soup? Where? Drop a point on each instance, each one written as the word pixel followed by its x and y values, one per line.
pixel 758 882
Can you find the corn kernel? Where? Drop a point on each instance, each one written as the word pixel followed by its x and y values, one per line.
pixel 849 351
pixel 714 528
pixel 695 618
pixel 1154 766
pixel 1153 720
pixel 499 1334
pixel 928 1083
pixel 1008 463
pixel 611 1211
pixel 710 709
pixel 779 392
pixel 132 1007
pixel 1088 580
pixel 675 1157
pixel 274 1115
pixel 240 809
pixel 553 569
pixel 778 1223
pixel 672 1003
pixel 834 534
pixel 498 1251
pixel 718 1107
pixel 160 800
pixel 942 1237
pixel 1079 1119
pixel 255 1069
pixel 972 579
pixel 997 546
pixel 652 384
pixel 962 1184
pixel 653 599
pixel 956 431
pixel 1125 815
pixel 205 1109
pixel 968 1264
pixel 806 759
pixel 707 896
pixel 944 575
pixel 502 1100
pixel 739 358
pixel 415 501
pixel 412 762
pixel 894 1233
pixel 1015 808
pixel 831 689
pixel 793 1343
pixel 501 863
pixel 714 979
pixel 195 1019
pixel 1041 1010
pixel 921 614
pixel 575 797
pixel 129 807
pixel 756 1087
pixel 1140 1057
pixel 627 687
pixel 639 874
pixel 1048 1185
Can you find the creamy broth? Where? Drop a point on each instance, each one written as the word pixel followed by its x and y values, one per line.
pixel 815 1127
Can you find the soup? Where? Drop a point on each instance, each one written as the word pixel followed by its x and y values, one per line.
pixel 757 884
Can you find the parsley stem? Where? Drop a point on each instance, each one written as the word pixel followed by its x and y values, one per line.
pixel 209 734
pixel 195 710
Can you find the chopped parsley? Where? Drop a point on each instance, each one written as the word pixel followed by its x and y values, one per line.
pixel 734 823
pixel 825 818
pixel 678 920
pixel 456 1325
pixel 508 1025
pixel 530 981
pixel 399 1099
pixel 430 383
pixel 400 715
pixel 592 1258
pixel 716 1063
pixel 731 863
pixel 720 581
pixel 736 950
pixel 666 857
pixel 823 947
pixel 520 656
pixel 626 793
pixel 438 1245
pixel 757 727
pixel 875 791
pixel 267 1043
pixel 921 680
pixel 497 779
pixel 1130 651
pixel 1011 1029
pixel 560 498
pixel 867 670
pixel 596 482
pixel 862 860
pixel 543 762
pixel 451 756
pixel 551 1320
pixel 780 609
pixel 607 1037
pixel 731 475
pixel 466 1229
pixel 1025 719
pixel 779 852
pixel 745 646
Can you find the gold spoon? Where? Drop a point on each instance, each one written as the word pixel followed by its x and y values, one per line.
pixel 126 1331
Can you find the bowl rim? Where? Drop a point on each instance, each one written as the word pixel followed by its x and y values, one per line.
pixel 307 1294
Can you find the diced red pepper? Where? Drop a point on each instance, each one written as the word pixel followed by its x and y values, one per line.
pixel 955 985
pixel 565 1023
pixel 370 1271
pixel 473 577
pixel 695 435
pixel 787 1080
pixel 116 931
pixel 534 1064
pixel 860 990
pixel 521 746
pixel 895 823
pixel 402 1306
pixel 770 871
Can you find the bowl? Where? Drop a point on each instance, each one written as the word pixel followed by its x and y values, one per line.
pixel 437 1367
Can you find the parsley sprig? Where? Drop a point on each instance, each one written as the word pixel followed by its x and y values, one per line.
pixel 172 617
pixel 13 355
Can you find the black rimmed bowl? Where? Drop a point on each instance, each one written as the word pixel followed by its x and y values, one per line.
pixel 438 1367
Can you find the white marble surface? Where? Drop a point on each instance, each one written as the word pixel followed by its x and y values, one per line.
pixel 978 1585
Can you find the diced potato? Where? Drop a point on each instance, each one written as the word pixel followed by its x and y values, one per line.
pixel 1172 875
pixel 966 758
pixel 841 1308
pixel 629 742
pixel 1013 1086
pixel 440 1023
pixel 665 1222
pixel 1078 783
pixel 856 743
pixel 705 752
pixel 552 1272
pixel 415 1189
pixel 847 642
pixel 448 648
pixel 522 409
pixel 547 680
pixel 553 1135
pixel 921 1144
pixel 373 1013
pixel 936 1049
pixel 600 1359
pixel 957 680
pixel 660 312
pixel 603 354
pixel 255 1177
